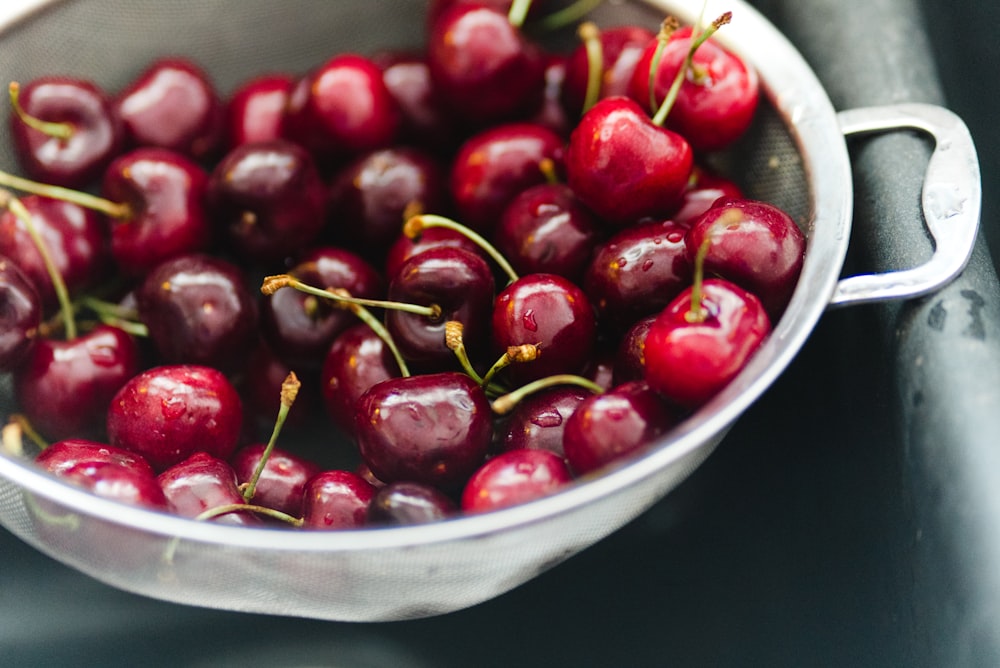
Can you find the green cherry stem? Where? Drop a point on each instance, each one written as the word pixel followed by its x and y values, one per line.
pixel 590 35
pixel 115 315
pixel 14 205
pixel 518 12
pixel 453 339
pixel 568 15
pixel 417 224
pixel 289 390
pixel 55 129
pixel 118 210
pixel 227 508
pixel 504 404
pixel 697 313
pixel 513 355
pixel 667 28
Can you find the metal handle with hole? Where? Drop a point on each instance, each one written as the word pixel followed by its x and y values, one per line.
pixel 951 200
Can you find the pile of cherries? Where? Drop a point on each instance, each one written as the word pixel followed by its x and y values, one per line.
pixel 398 288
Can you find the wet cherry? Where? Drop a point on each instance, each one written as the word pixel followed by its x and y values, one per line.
pixel 282 481
pixel 254 111
pixel 514 477
pixel 201 482
pixel 336 500
pixel 405 503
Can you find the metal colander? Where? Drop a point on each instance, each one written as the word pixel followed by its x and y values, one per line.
pixel 795 156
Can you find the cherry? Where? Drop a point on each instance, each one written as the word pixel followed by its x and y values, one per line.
pixel 371 198
pixel 67 454
pixel 551 113
pixel 65 387
pixel 621 48
pixel 282 481
pixel 717 99
pixel 630 358
pixel 20 315
pixel 76 239
pixel 705 187
pixel 202 482
pixel 336 500
pixel 546 229
pixel 482 65
pixel 406 503
pixel 552 314
pixel 342 109
pixel 262 380
pixel 538 421
pixel 514 477
pixel 198 310
pixel 496 164
pixel 357 360
pixel 256 108
pixel 697 345
pixel 405 247
pixel 637 272
pixel 170 412
pixel 119 483
pixel 173 104
pixel 753 244
pixel 434 428
pixel 425 122
pixel 65 132
pixel 270 199
pixel 608 427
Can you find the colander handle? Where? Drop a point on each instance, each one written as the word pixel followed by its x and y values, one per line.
pixel 951 200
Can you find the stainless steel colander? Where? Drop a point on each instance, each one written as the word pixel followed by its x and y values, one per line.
pixel 795 156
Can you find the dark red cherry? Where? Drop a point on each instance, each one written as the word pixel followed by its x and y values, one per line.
pixel 494 165
pixel 199 310
pixel 64 455
pixel 546 229
pixel 637 272
pixel 168 413
pixel 551 313
pixel 76 240
pixel 538 421
pixel 436 7
pixel 405 503
pixel 300 327
pixel 608 427
pixel 370 198
pixel 336 500
pixel 403 248
pixel 357 360
pixel 201 482
pixel 551 113
pixel 255 110
pixel 753 244
pixel 342 109
pixel 269 198
pixel 621 48
pixel 690 358
pixel 173 104
pixel 623 166
pixel 483 66
pixel 425 122
pixel 260 391
pixel 630 357
pixel 165 193
pixel 717 99
pixel 435 429
pixel 119 483
pixel 64 387
pixel 705 187
pixel 95 133
pixel 514 477
pixel 282 480
pixel 460 284
pixel 20 315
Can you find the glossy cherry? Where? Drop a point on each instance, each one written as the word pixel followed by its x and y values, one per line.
pixel 405 503
pixel 20 315
pixel 630 357
pixel 256 108
pixel 282 481
pixel 170 412
pixel 67 454
pixel 119 483
pixel 538 420
pixel 514 477
pixel 404 247
pixel 201 482
pixel 260 390
pixel 336 500
pixel 425 121
pixel 705 187
pixel 621 48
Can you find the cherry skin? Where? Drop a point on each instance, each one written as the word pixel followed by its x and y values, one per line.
pixel 637 272
pixel 403 248
pixel 282 481
pixel 406 503
pixel 76 240
pixel 95 138
pixel 608 427
pixel 630 357
pixel 538 421
pixel 198 310
pixel 551 113
pixel 623 166
pixel 256 109
pixel 342 109
pixel 66 454
pixel 621 48
pixel 65 387
pixel 718 98
pixel 483 67
pixel 753 244
pixel 705 187
pixel 170 412
pixel 201 482
pixel 514 477
pixel 260 392
pixel 165 193
pixel 336 500
pixel 20 315
pixel 546 229
pixel 173 104
pixel 494 165
pixel 689 362
pixel 119 483
pixel 434 428
pixel 551 313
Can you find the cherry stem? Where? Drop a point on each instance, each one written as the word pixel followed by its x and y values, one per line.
pixel 453 339
pixel 58 130
pixel 417 224
pixel 115 315
pixel 433 311
pixel 16 207
pixel 289 390
pixel 697 313
pixel 227 508
pixel 547 166
pixel 590 35
pixel 568 15
pixel 12 439
pixel 504 404
pixel 696 41
pixel 518 12
pixel 119 210
pixel 24 424
pixel 513 355
pixel 667 28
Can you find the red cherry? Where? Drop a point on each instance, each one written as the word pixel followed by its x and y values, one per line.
pixel 69 453
pixel 538 420
pixel 202 482
pixel 282 481
pixel 514 477
pixel 403 248
pixel 336 500
pixel 621 48
pixel 406 503
pixel 20 315
pixel 119 483
pixel 705 187
pixel 255 110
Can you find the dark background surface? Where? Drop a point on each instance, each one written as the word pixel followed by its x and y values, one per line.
pixel 839 523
